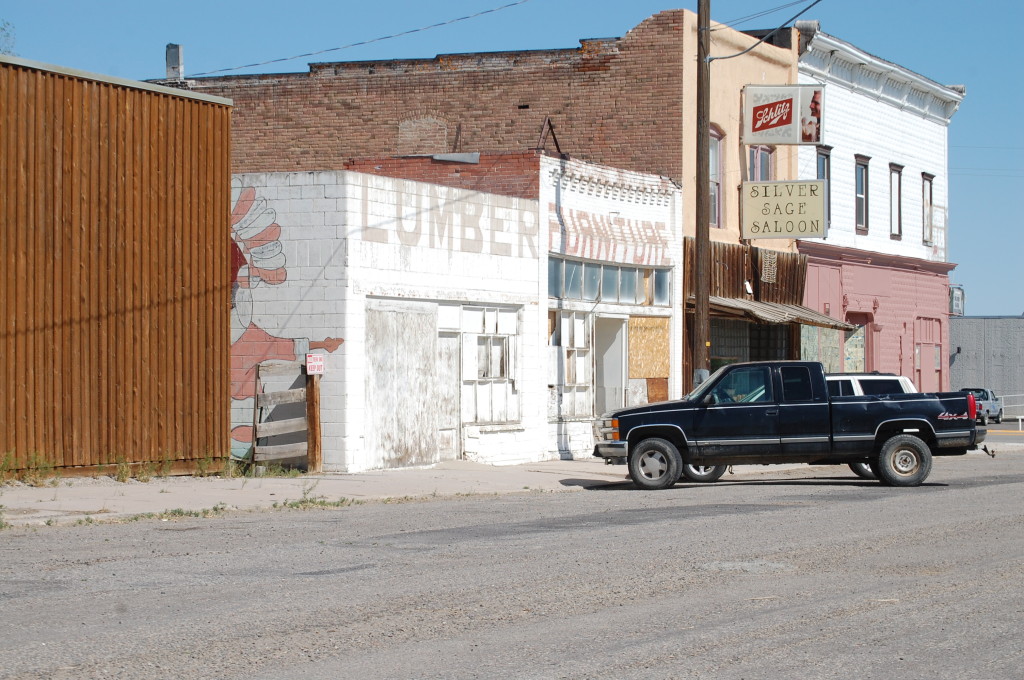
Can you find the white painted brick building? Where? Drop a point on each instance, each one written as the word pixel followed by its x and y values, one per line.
pixel 432 307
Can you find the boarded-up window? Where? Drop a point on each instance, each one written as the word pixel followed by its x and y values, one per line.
pixel 648 347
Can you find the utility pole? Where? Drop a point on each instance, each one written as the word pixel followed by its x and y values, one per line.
pixel 702 266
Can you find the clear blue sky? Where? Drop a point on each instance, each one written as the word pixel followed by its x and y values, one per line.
pixel 975 44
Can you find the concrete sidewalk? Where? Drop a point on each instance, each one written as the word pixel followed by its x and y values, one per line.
pixel 103 499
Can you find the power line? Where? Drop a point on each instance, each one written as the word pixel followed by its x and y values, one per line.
pixel 758 15
pixel 363 42
pixel 969 146
pixel 768 35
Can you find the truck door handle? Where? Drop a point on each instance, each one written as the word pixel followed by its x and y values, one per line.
pixel 772 412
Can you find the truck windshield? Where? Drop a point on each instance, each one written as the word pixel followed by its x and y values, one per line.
pixel 699 390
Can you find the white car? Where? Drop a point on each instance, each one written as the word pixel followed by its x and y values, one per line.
pixel 847 384
pixel 872 384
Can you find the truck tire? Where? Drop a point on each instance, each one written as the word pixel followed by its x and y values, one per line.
pixel 999 418
pixel 904 460
pixel 704 473
pixel 863 470
pixel 983 419
pixel 655 464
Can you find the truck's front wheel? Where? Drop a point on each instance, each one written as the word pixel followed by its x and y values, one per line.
pixel 655 464
pixel 863 470
pixel 905 460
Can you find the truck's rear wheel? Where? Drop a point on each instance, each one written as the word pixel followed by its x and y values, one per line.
pixel 655 464
pixel 704 473
pixel 983 419
pixel 905 460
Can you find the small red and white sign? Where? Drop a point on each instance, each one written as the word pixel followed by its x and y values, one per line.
pixel 315 364
pixel 773 115
pixel 783 114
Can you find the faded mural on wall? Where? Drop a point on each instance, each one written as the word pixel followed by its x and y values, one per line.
pixel 258 260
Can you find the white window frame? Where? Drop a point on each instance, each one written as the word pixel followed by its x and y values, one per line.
pixel 927 205
pixel 757 156
pixel 895 201
pixel 715 179
pixel 489 346
pixel 572 377
pixel 861 185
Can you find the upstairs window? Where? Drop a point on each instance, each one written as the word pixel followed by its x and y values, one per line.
pixel 861 183
pixel 760 163
pixel 895 201
pixel 715 179
pixel 824 161
pixel 927 216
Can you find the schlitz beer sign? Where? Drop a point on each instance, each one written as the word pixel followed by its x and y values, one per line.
pixel 783 114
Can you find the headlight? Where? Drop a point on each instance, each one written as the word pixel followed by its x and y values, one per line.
pixel 606 429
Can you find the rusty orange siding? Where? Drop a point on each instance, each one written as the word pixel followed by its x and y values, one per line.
pixel 114 292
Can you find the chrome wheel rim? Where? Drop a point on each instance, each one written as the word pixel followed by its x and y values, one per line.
pixel 653 465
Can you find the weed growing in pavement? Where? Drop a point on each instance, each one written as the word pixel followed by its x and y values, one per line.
pixel 310 501
pixel 203 466
pixel 123 471
pixel 4 524
pixel 145 473
pixel 177 513
pixel 6 465
pixel 278 470
pixel 38 471
pixel 234 469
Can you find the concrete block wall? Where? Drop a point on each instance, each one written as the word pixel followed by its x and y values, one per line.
pixel 991 355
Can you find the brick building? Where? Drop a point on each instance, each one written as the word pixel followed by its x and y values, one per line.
pixel 621 102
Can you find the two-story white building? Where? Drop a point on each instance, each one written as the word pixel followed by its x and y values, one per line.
pixel 884 265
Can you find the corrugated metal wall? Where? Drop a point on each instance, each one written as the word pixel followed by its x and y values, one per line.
pixel 114 299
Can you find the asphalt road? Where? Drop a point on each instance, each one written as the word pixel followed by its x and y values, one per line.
pixel 1007 433
pixel 804 573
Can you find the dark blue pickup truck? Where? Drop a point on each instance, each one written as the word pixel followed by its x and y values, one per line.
pixel 780 412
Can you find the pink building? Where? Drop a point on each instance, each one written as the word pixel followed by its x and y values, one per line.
pixel 901 306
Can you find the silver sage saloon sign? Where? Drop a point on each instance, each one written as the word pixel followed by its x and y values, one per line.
pixel 795 209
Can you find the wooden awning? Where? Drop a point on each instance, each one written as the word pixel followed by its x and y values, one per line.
pixel 772 312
